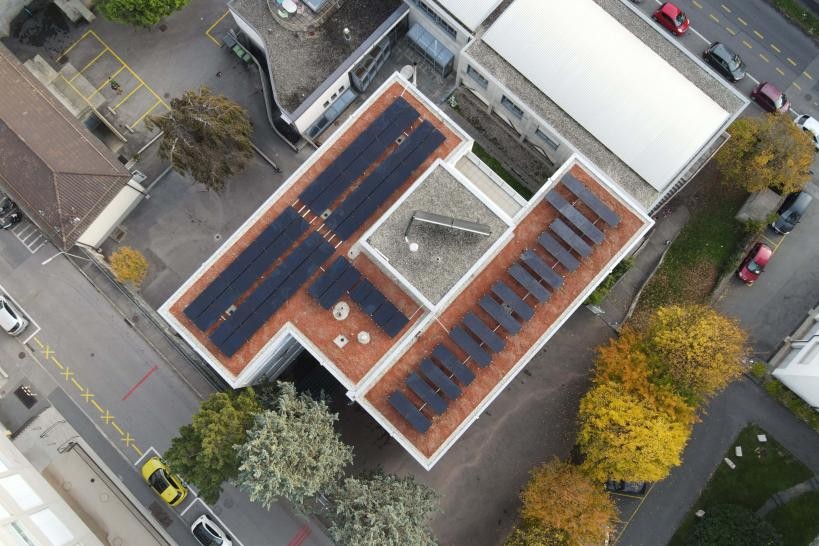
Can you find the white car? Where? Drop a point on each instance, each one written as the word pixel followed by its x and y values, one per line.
pixel 809 125
pixel 208 533
pixel 11 319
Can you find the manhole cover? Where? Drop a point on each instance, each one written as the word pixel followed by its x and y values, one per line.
pixel 217 237
pixel 163 27
pixel 21 355
pixel 808 97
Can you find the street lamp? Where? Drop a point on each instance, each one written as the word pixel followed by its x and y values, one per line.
pixel 67 254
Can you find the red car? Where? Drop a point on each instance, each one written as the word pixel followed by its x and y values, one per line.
pixel 754 263
pixel 770 98
pixel 672 18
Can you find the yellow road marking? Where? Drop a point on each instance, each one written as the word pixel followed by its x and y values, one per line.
pixel 759 35
pixel 696 3
pixel 38 342
pixel 77 384
pixel 67 373
pixel 116 426
pixel 138 451
pixel 219 20
pixel 47 352
pixel 87 66
pixel 807 75
pixel 128 439
pixel 107 417
pixel 726 8
pixel 714 17
pixel 749 46
pixel 796 85
pixel 80 39
pixel 99 408
pixel 776 48
pixel 742 21
pixel 634 513
pixel 57 362
pixel 108 80
pixel 87 395
pixel 127 96
pixel 148 111
pixel 731 31
pixel 781 72
pixel 791 61
pixel 764 58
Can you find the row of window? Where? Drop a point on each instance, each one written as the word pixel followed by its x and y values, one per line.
pixel 333 97
pixel 429 12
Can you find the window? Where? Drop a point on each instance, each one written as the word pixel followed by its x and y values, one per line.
pixel 326 104
pixel 20 532
pixel 475 75
pixel 22 493
pixel 545 138
pixel 334 97
pixel 341 89
pixel 429 12
pixel 512 107
pixel 52 527
pixel 3 466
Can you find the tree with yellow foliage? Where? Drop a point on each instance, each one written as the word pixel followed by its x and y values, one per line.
pixel 559 496
pixel 128 265
pixel 770 151
pixel 695 350
pixel 534 533
pixel 627 437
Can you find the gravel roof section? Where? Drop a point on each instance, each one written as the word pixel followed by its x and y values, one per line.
pixel 447 252
pixel 300 62
pixel 575 133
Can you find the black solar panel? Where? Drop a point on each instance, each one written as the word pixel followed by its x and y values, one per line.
pixel 295 226
pixel 484 333
pixel 558 252
pixel 362 291
pixel 470 346
pixel 507 322
pixel 409 411
pixel 542 270
pixel 426 393
pixel 384 313
pixel 340 287
pixel 454 366
pixel 575 217
pixel 530 283
pixel 329 277
pixel 395 324
pixel 372 302
pixel 570 237
pixel 440 379
pixel 508 296
pixel 591 200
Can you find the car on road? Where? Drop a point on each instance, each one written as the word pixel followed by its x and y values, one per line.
pixel 629 488
pixel 725 61
pixel 791 211
pixel 810 126
pixel 208 533
pixel 11 319
pixel 672 18
pixel 754 263
pixel 164 483
pixel 770 98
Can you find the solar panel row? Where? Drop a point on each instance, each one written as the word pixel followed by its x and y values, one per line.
pixel 571 238
pixel 558 252
pixel 591 200
pixel 409 411
pixel 245 269
pixel 272 293
pixel 575 217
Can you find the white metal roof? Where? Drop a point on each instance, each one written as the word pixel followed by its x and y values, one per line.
pixel 609 81
pixel 470 12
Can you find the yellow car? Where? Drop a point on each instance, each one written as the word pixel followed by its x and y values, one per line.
pixel 157 475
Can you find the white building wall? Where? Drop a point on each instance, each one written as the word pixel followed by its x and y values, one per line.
pixel 417 15
pixel 304 121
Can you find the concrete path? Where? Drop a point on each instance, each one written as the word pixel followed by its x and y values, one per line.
pixel 783 497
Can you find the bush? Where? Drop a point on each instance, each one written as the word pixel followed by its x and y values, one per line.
pixel 534 533
pixel 600 293
pixel 733 525
pixel 128 265
pixel 758 370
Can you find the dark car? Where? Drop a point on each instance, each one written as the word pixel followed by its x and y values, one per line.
pixel 672 18
pixel 725 61
pixel 629 488
pixel 770 98
pixel 791 211
pixel 754 263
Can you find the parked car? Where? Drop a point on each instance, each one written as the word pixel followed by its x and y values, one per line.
pixel 672 18
pixel 770 98
pixel 10 218
pixel 165 484
pixel 791 211
pixel 208 533
pixel 809 125
pixel 725 61
pixel 11 318
pixel 6 204
pixel 754 263
pixel 629 488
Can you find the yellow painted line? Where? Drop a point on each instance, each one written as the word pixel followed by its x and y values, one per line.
pixel 759 35
pixel 781 72
pixel 219 20
pixel 77 91
pixel 749 46
pixel 796 85
pixel 38 342
pixel 127 96
pixel 776 48
pixel 696 3
pixel 67 373
pixel 726 8
pixel 107 417
pixel 791 61
pixel 713 17
pixel 731 31
pixel 742 21
pixel 99 408
pixel 138 451
pixel 634 513
pixel 57 362
pixel 148 111
pixel 47 352
pixel 88 395
pixel 107 81
pixel 81 38
pixel 77 384
pixel 764 58
pixel 807 75
pixel 87 66
pixel 116 426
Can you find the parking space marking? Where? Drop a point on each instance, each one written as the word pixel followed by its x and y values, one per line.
pixel 219 520
pixel 144 115
pixel 731 31
pixel 628 522
pixel 107 81
pixel 31 322
pixel 781 72
pixel 764 58
pixel 749 46
pixel 89 64
pixel 726 8
pixel 742 21
pixel 714 18
pixel 759 35
pixel 775 48
pixel 791 61
pixel 796 85
pixel 28 234
pixel 219 20
pixel 807 75
pixel 696 4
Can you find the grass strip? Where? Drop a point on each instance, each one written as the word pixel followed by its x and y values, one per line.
pixel 499 169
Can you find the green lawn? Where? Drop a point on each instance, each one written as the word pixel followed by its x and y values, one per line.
pixel 797 521
pixel 803 17
pixel 763 470
pixel 496 166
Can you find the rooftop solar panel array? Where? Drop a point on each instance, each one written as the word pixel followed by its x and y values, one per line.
pixel 440 379
pixel 575 217
pixel 558 252
pixel 359 155
pixel 409 411
pixel 426 393
pixel 444 356
pixel 571 238
pixel 484 333
pixel 591 200
pixel 539 267
pixel 531 284
pixel 470 346
pixel 245 269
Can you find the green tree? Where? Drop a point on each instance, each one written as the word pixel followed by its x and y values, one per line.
pixel 770 151
pixel 204 453
pixel 625 437
pixel 141 13
pixel 695 350
pixel 292 451
pixel 382 510
pixel 206 136
pixel 534 533
pixel 128 265
pixel 732 525
pixel 560 496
